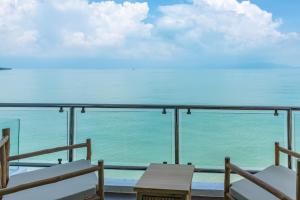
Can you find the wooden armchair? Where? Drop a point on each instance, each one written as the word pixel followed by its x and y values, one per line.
pixel 273 183
pixel 75 180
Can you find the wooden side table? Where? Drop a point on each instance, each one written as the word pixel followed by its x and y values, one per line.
pixel 165 182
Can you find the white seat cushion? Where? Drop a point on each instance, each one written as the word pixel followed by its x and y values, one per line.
pixel 279 177
pixel 74 188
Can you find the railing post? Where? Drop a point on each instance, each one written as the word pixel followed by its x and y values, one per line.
pixel 71 132
pixel 176 116
pixel 289 134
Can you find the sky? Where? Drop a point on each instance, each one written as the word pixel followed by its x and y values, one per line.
pixel 153 33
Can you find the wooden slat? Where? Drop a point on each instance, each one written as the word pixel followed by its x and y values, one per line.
pixel 145 197
pixel 55 179
pixel 46 151
pixel 259 182
pixel 161 195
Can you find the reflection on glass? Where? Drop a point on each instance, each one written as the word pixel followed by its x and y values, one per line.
pixel 296 134
pixel 247 137
pixel 40 129
pixel 129 137
pixel 13 125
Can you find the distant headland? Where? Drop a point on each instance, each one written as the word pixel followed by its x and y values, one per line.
pixel 5 68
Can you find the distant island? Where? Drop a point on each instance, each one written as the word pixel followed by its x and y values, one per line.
pixel 5 68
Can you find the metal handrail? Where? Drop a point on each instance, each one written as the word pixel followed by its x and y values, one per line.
pixel 175 107
pixel 150 106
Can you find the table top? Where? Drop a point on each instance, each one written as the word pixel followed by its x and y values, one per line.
pixel 166 177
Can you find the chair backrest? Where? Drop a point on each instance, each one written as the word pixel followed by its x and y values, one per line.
pixel 4 154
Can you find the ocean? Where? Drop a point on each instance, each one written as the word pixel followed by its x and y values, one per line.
pixel 139 137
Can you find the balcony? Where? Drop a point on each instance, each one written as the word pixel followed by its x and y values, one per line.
pixel 129 137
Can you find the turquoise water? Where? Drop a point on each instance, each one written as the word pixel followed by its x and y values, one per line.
pixel 138 137
pixel 182 86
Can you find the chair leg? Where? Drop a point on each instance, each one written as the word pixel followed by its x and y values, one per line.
pixel 227 178
pixel 6 132
pixel 3 161
pixel 101 179
pixel 277 154
pixel 88 149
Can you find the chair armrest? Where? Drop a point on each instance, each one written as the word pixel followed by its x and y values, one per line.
pixel 289 152
pixel 258 182
pixel 53 150
pixel 99 168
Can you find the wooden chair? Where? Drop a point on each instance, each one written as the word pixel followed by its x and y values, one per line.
pixel 74 180
pixel 273 183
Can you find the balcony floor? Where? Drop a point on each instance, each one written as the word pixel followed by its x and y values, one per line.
pixel 112 196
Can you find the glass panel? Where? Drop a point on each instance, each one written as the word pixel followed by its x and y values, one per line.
pixel 127 137
pixel 214 178
pixel 13 125
pixel 247 137
pixel 123 174
pixel 296 134
pixel 40 129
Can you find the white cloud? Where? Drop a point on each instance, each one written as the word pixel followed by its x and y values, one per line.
pixel 229 23
pixel 74 23
pixel 16 28
pixel 124 30
pixel 106 23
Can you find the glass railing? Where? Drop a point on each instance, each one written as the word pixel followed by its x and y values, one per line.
pixel 14 126
pixel 296 134
pixel 129 137
pixel 248 137
pixel 40 128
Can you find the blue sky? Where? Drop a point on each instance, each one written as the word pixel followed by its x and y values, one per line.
pixel 288 11
pixel 153 33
